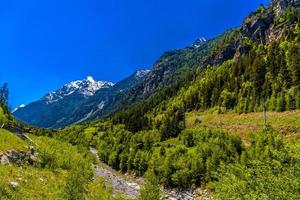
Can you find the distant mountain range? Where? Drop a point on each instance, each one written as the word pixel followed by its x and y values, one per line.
pixel 76 101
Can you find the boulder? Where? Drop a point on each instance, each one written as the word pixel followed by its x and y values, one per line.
pixel 13 184
pixel 4 159
pixel 15 156
pixel 32 159
pixel 12 156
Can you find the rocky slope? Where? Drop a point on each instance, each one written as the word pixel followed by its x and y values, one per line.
pixel 262 26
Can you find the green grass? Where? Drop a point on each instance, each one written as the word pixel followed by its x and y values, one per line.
pixel 34 183
pixel 47 178
pixel 3 118
pixel 10 141
pixel 287 123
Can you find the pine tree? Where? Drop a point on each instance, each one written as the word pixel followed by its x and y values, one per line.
pixel 281 103
pixel 4 92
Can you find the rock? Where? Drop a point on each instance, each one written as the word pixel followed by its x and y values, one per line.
pixel 18 157
pixel 134 186
pixel 203 194
pixel 256 27
pixel 32 159
pixel 225 53
pixel 119 184
pixel 14 156
pixel 176 194
pixel 13 184
pixel 31 150
pixel 4 159
pixel 259 26
pixel 31 155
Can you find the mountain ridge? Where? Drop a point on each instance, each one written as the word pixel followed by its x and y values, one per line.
pixel 55 109
pixel 86 87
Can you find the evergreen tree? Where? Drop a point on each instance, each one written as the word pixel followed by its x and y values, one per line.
pixel 4 92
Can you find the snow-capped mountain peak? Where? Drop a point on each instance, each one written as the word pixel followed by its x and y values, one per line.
pixel 86 87
pixel 199 42
pixel 90 78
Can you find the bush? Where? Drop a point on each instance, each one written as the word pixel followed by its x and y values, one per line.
pixel 78 177
pixel 267 171
pixel 151 190
pixel 55 154
pixel 187 166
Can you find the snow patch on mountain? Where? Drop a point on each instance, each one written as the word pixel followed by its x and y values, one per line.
pixel 198 43
pixel 21 106
pixel 141 73
pixel 86 87
pixel 101 105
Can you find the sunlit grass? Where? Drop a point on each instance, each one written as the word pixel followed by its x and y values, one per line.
pixel 287 123
pixel 33 183
pixel 10 141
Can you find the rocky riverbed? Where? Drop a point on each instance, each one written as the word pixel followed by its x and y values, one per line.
pixel 130 186
pixel 120 183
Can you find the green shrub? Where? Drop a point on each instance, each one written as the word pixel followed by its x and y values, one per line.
pixel 267 171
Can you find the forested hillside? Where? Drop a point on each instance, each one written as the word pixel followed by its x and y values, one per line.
pixel 260 74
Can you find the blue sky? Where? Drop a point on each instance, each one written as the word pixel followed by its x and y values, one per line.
pixel 45 44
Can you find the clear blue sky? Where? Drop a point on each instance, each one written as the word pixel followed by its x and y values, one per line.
pixel 47 43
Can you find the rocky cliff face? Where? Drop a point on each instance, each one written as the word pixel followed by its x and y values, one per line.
pixel 265 25
pixel 261 25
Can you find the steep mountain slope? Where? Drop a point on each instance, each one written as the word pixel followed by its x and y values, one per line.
pixel 261 69
pixel 172 65
pixel 174 70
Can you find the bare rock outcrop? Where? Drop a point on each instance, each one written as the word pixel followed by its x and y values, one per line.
pixel 13 156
